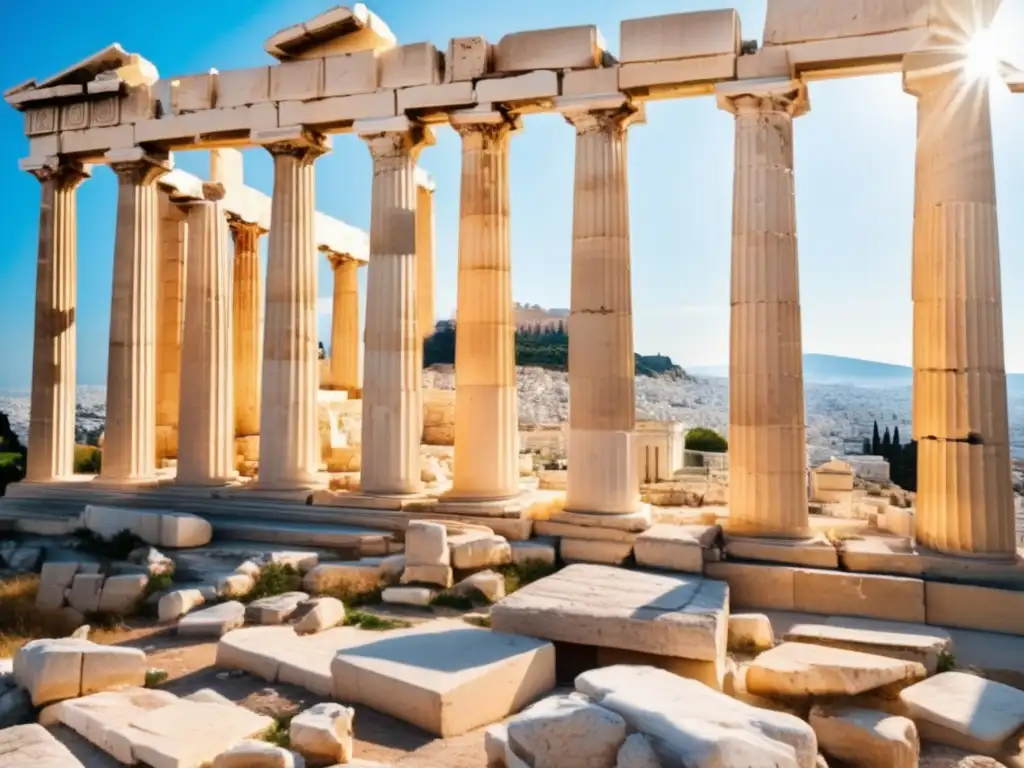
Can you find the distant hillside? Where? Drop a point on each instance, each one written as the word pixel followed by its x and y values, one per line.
pixel 545 347
pixel 853 372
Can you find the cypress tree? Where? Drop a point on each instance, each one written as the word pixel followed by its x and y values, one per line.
pixel 867 447
pixel 876 442
pixel 896 437
pixel 886 444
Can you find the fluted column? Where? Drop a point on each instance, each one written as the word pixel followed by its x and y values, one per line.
pixel 392 377
pixel 247 332
pixel 129 449
pixel 767 445
pixel 425 259
pixel 51 431
pixel 602 398
pixel 486 405
pixel 206 422
pixel 964 490
pixel 344 368
pixel 289 437
pixel 172 247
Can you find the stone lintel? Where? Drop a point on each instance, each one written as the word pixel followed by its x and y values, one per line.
pixel 792 93
pixel 27 85
pixel 42 166
pixel 377 126
pixel 27 98
pixel 139 155
pixel 105 87
pixel 295 135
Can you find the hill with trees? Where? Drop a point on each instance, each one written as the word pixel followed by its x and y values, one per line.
pixel 540 347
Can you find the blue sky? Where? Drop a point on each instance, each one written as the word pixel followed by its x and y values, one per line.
pixel 854 180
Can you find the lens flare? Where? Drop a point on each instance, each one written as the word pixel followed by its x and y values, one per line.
pixel 983 59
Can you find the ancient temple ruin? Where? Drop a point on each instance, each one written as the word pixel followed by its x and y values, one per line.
pixel 251 392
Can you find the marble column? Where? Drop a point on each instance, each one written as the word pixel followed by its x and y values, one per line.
pixel 51 431
pixel 344 365
pixel 392 376
pixel 247 332
pixel 425 259
pixel 289 436
pixel 129 445
pixel 602 475
pixel 767 444
pixel 486 403
pixel 964 490
pixel 206 422
pixel 172 247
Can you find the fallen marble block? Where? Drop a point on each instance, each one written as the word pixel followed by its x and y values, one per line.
pixel 157 728
pixel 690 724
pixel 53 670
pixel 318 614
pixel 566 732
pixel 276 609
pixel 258 754
pixel 32 746
pixel 175 604
pixel 158 527
pixel 472 550
pixel 120 594
pixel 322 734
pixel 676 615
pixel 213 622
pixel 800 670
pixel 419 597
pixel 864 738
pixel 488 584
pixel 445 676
pixel 426 543
pixel 966 711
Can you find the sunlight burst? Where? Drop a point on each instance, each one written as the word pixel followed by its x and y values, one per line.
pixel 983 60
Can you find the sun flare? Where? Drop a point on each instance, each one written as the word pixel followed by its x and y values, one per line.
pixel 983 59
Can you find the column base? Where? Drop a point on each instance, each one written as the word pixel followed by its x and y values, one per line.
pixel 508 506
pixel 631 522
pixel 393 502
pixel 814 552
pixel 135 482
pixel 755 531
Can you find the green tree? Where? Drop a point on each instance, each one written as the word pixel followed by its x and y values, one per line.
pixel 876 442
pixel 706 439
pixel 12 455
pixel 867 446
pixel 886 444
pixel 895 436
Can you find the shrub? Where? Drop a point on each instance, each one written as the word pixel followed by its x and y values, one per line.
pixel 88 459
pixel 706 439
pixel 372 621
pixel 275 579
pixel 520 574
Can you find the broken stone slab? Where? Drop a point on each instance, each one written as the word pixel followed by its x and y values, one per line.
pixel 303 562
pixel 318 614
pixel 750 632
pixel 692 725
pixel 445 677
pixel 426 543
pixel 32 746
pixel 566 732
pixel 258 754
pixel 437 575
pixel 350 579
pixel 674 547
pixel 471 551
pixel 636 752
pixel 489 584
pixel 966 711
pixel 178 603
pixel 660 613
pixel 56 669
pixel 799 670
pixel 534 550
pixel 215 621
pixel 865 738
pixel 235 585
pixel 276 609
pixel 898 640
pixel 120 594
pixel 419 597
pixel 85 592
pixel 495 745
pixel 161 528
pixel 597 551
pixel 816 552
pixel 322 734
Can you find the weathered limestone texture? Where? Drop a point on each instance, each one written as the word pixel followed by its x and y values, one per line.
pixel 247 328
pixel 392 391
pixel 129 448
pixel 52 417
pixel 602 412
pixel 345 373
pixel 486 403
pixel 289 447
pixel 207 413
pixel 768 463
pixel 425 259
pixel 172 250
pixel 965 497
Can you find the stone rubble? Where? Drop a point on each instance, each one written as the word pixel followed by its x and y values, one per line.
pixel 317 614
pixel 258 754
pixel 215 621
pixel 276 609
pixel 322 734
pixel 863 738
pixel 54 670
pixel 566 732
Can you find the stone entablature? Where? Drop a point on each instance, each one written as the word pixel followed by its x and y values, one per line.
pixel 345 65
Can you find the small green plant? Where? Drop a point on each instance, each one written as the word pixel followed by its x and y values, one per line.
pixel 155 677
pixel 274 579
pixel 520 574
pixel 372 621
pixel 947 662
pixel 706 440
pixel 277 734
pixel 158 583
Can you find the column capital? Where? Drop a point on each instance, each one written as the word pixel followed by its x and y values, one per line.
pixel 138 166
pixel 66 172
pixel 492 123
pixel 763 96
pixel 336 259
pixel 239 226
pixel 295 141
pixel 612 112
pixel 393 136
